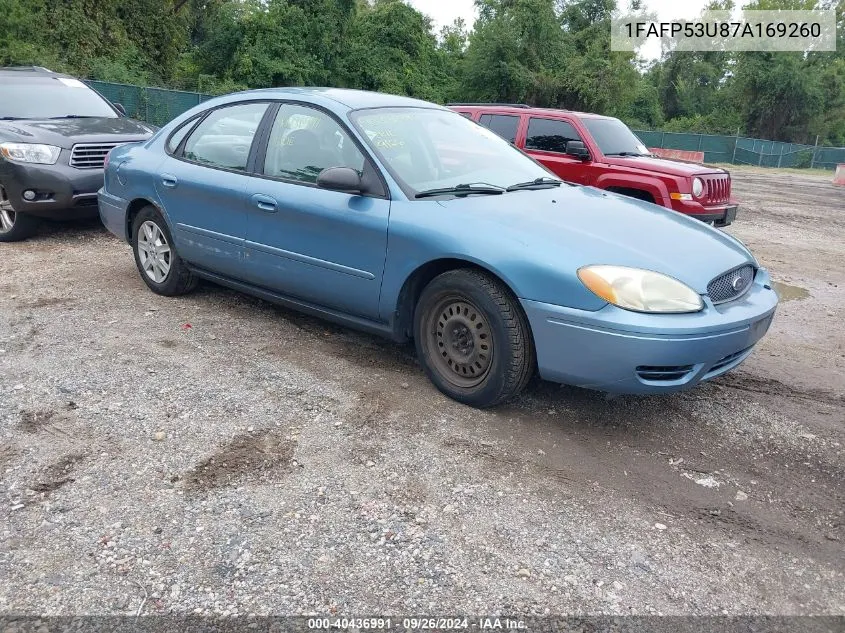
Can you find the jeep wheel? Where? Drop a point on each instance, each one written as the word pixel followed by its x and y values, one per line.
pixel 14 226
pixel 473 339
pixel 161 268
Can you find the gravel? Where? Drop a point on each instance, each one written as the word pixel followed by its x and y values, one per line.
pixel 214 454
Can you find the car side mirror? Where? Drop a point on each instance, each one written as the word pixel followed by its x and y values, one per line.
pixel 343 179
pixel 578 150
pixel 119 107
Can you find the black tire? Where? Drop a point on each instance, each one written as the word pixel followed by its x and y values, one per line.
pixel 22 225
pixel 178 278
pixel 473 339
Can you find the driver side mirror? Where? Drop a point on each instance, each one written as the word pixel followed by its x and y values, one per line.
pixel 119 107
pixel 578 150
pixel 343 179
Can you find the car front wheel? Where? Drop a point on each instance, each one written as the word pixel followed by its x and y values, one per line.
pixel 161 268
pixel 473 339
pixel 14 226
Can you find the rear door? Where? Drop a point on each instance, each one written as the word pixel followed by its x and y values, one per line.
pixel 545 141
pixel 324 247
pixel 202 186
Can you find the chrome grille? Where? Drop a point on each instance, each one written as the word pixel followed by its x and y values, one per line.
pixel 717 188
pixel 731 285
pixel 90 155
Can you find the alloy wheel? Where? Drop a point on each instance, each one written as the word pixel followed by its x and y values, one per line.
pixel 7 217
pixel 154 252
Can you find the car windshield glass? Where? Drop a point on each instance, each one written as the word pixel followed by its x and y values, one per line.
pixel 50 97
pixel 614 137
pixel 429 149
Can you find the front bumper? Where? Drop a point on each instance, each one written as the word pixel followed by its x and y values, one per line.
pixel 720 215
pixel 619 351
pixel 61 191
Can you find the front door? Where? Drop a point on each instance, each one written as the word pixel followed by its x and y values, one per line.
pixel 324 247
pixel 202 188
pixel 546 142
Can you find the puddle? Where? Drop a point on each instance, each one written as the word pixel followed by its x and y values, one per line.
pixel 790 293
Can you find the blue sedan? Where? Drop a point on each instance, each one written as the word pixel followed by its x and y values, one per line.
pixel 402 218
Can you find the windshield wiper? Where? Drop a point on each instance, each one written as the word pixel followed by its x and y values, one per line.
pixel 10 118
pixel 626 154
pixel 537 183
pixel 462 190
pixel 71 116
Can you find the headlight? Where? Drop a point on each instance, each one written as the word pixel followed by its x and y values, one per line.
pixel 697 187
pixel 30 153
pixel 640 290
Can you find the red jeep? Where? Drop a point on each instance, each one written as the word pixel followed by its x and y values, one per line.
pixel 601 151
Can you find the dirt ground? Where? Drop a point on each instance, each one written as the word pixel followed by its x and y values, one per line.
pixel 215 454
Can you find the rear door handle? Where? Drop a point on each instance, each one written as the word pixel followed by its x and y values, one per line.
pixel 265 203
pixel 169 181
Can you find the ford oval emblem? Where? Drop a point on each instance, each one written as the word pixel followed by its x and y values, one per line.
pixel 738 283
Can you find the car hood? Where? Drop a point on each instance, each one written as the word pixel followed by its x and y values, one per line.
pixel 578 226
pixel 67 132
pixel 662 165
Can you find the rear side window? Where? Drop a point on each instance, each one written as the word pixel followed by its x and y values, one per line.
pixel 502 124
pixel 224 137
pixel 467 115
pixel 550 135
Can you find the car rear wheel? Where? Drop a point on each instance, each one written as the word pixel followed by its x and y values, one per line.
pixel 15 226
pixel 161 268
pixel 473 339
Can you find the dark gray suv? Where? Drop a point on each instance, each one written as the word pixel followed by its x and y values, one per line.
pixel 55 133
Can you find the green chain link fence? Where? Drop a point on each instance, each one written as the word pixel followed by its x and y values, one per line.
pixel 739 150
pixel 153 105
pixel 158 106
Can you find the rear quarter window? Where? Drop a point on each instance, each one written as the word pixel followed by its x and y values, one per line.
pixel 505 125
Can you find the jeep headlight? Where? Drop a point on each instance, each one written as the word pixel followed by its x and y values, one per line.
pixel 30 153
pixel 640 290
pixel 697 187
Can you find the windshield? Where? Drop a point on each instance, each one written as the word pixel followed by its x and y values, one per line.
pixel 614 137
pixel 50 97
pixel 429 149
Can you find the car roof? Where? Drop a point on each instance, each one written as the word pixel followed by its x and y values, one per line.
pixel 30 71
pixel 494 108
pixel 352 99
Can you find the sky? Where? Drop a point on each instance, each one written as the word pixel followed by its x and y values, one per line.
pixel 444 12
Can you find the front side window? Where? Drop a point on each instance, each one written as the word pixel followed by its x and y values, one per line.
pixel 224 137
pixel 427 148
pixel 304 141
pixel 502 124
pixel 50 98
pixel 550 135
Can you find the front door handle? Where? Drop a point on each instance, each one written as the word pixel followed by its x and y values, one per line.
pixel 169 181
pixel 265 203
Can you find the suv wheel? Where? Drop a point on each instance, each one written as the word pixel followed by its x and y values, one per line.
pixel 15 226
pixel 473 339
pixel 161 268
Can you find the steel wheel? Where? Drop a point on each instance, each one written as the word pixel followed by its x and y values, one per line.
pixel 461 342
pixel 154 252
pixel 7 217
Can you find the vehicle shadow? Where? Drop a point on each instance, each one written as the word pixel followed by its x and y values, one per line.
pixel 65 230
